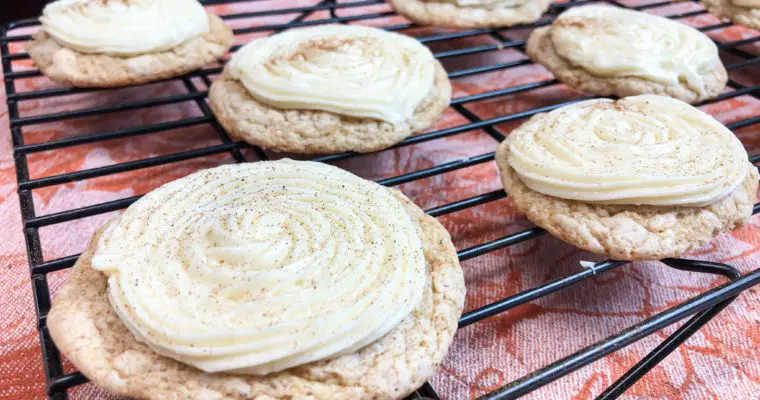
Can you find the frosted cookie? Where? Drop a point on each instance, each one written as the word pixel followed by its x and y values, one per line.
pixel 472 13
pixel 108 43
pixel 276 280
pixel 330 89
pixel 642 178
pixel 609 51
pixel 745 12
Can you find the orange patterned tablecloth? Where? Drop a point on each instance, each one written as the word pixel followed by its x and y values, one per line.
pixel 720 361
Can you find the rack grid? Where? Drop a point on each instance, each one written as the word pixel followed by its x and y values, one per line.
pixel 701 308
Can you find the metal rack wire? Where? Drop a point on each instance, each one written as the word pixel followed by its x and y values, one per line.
pixel 702 308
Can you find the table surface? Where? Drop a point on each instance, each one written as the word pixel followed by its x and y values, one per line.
pixel 721 361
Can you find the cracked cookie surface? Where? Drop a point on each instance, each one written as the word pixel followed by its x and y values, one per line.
pixel 451 15
pixel 541 50
pixel 627 232
pixel 313 131
pixel 727 9
pixel 88 331
pixel 74 68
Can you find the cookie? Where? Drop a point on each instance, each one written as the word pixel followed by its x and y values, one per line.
pixel 627 226
pixel 745 12
pixel 88 330
pixel 330 89
pixel 608 51
pixel 471 14
pixel 77 49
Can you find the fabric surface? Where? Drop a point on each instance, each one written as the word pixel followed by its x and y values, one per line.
pixel 721 361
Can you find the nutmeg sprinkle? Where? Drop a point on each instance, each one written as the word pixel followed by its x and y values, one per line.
pixel 255 268
pixel 642 150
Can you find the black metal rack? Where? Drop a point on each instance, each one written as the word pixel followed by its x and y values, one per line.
pixel 702 307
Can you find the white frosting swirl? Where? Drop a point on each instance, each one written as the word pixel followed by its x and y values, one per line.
pixel 348 70
pixel 608 41
pixel 488 4
pixel 259 267
pixel 639 150
pixel 123 27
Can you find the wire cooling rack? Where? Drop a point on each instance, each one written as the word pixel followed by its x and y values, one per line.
pixel 701 308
